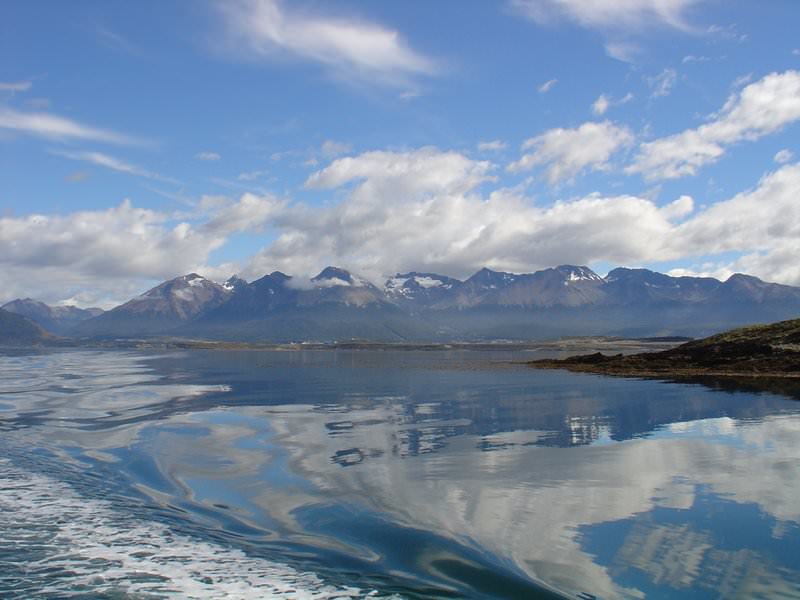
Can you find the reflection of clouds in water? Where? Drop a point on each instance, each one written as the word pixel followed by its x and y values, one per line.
pixel 720 426
pixel 94 400
pixel 421 464
pixel 527 502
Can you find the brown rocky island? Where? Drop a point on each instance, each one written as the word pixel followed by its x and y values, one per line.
pixel 758 351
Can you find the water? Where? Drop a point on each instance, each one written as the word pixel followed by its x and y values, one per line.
pixel 351 474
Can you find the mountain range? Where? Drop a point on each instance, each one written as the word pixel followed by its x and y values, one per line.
pixel 55 319
pixel 338 305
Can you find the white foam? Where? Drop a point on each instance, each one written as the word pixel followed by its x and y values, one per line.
pixel 50 529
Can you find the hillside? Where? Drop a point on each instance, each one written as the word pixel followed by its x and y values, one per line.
pixel 54 319
pixel 760 351
pixel 16 330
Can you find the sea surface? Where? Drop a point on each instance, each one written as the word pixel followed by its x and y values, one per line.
pixel 393 474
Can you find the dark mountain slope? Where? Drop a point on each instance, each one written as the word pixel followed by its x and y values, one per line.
pixel 16 330
pixel 158 311
pixel 55 319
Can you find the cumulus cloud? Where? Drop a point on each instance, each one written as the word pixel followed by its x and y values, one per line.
pixel 547 86
pixel 54 127
pixel 115 164
pixel 106 256
pixel 207 156
pixel 566 152
pixel 424 210
pixel 426 170
pixel 758 221
pixel 352 49
pixel 759 109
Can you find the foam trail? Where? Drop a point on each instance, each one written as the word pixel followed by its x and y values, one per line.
pixel 55 543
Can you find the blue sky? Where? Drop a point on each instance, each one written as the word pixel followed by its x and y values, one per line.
pixel 140 141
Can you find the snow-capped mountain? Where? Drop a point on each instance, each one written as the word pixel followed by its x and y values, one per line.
pixel 159 309
pixel 421 306
pixel 235 284
pixel 420 289
pixel 338 286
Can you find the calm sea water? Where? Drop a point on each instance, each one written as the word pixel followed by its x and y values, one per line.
pixel 336 474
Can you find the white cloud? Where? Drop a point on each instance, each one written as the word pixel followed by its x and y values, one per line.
pixel 622 22
pixel 600 106
pixel 355 50
pixel 409 95
pixel 783 156
pixel 107 256
pixel 207 156
pixel 249 213
pixel 115 164
pixel 763 225
pixel 608 14
pixel 421 210
pixel 567 152
pixel 663 83
pixel 15 86
pixel 623 50
pixel 53 127
pixel 761 108
pixel 251 175
pixel 332 149
pixel 694 58
pixel 547 86
pixel 492 146
pixel 727 32
pixel 426 170
pixel 742 80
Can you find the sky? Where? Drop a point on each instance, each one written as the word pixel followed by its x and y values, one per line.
pixel 141 141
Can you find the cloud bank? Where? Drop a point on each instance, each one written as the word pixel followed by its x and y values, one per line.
pixel 759 109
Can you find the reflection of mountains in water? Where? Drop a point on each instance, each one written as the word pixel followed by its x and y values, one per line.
pixel 585 414
pixel 691 550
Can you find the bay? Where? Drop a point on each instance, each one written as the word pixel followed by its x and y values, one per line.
pixel 418 474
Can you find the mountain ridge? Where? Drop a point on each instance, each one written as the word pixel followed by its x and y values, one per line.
pixel 54 319
pixel 338 305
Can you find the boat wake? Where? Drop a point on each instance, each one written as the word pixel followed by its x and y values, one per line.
pixel 56 543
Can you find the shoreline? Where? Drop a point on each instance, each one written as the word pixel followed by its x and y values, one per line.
pixel 674 373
